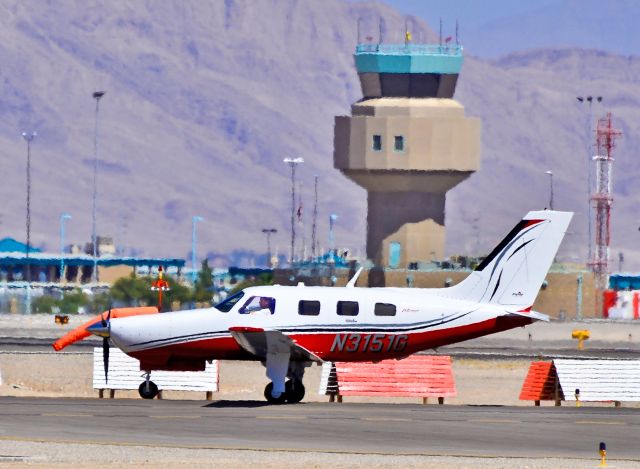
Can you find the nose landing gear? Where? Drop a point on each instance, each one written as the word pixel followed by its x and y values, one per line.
pixel 148 389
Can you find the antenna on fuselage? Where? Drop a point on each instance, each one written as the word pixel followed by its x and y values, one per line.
pixel 354 279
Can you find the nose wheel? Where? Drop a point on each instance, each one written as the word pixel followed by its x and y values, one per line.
pixel 294 393
pixel 148 389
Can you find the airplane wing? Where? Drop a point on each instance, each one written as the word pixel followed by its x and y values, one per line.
pixel 259 342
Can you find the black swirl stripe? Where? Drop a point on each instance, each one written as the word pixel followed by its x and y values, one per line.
pixel 347 329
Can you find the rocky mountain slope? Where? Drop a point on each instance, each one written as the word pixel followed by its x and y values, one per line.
pixel 205 99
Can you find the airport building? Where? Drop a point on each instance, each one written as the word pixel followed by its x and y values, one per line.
pixel 407 142
pixel 74 267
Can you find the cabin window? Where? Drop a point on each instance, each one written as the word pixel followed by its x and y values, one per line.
pixel 376 144
pixel 398 143
pixel 347 308
pixel 384 309
pixel 228 303
pixel 308 308
pixel 259 305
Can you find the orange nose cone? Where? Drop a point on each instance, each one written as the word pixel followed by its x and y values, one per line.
pixel 81 332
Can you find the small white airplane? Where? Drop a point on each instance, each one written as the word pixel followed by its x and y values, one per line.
pixel 288 328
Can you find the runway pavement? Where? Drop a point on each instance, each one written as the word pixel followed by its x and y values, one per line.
pixel 389 429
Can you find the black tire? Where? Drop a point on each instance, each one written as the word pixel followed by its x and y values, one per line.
pixel 148 392
pixel 272 400
pixel 294 389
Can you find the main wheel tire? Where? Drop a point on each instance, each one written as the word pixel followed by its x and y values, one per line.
pixel 294 389
pixel 148 392
pixel 274 400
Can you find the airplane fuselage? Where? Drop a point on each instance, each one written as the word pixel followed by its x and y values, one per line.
pixel 335 324
pixel 287 328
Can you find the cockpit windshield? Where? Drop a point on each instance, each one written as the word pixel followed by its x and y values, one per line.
pixel 228 303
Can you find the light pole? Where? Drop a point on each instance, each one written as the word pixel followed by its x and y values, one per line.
pixel 315 219
pixel 550 173
pixel 332 240
pixel 589 100
pixel 63 217
pixel 293 162
pixel 28 137
pixel 195 221
pixel 97 95
pixel 269 232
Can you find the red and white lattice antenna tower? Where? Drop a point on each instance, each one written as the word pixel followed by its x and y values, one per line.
pixel 603 199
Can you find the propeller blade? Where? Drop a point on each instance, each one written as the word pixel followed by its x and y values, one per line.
pixel 105 345
pixel 105 358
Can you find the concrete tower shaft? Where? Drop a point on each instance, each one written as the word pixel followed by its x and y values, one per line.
pixel 407 147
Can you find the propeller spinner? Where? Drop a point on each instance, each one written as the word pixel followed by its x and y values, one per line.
pixel 103 329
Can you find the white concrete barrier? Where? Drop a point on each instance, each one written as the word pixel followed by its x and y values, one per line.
pixel 599 380
pixel 125 373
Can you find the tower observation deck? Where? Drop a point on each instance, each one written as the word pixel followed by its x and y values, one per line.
pixel 407 142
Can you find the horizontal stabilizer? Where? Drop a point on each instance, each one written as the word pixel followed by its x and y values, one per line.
pixel 530 314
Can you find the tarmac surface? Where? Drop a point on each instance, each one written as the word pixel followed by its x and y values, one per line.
pixel 38 429
pixel 384 429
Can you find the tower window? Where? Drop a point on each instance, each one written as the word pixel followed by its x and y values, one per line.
pixel 398 143
pixel 377 143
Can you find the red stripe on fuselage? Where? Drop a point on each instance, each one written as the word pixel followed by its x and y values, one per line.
pixel 321 344
pixel 226 348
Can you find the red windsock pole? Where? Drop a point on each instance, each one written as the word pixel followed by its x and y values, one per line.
pixel 160 285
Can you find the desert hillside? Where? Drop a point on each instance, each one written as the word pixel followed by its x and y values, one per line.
pixel 205 99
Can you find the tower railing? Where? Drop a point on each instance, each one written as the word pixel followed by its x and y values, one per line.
pixel 410 49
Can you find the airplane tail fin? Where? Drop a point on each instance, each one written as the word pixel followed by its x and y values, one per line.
pixel 514 271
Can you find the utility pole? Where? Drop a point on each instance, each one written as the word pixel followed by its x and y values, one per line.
pixel 63 217
pixel 268 232
pixel 28 137
pixel 293 162
pixel 194 222
pixel 315 219
pixel 589 100
pixel 97 95
pixel 332 240
pixel 550 173
pixel 301 227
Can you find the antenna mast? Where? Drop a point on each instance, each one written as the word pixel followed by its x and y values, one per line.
pixel 602 199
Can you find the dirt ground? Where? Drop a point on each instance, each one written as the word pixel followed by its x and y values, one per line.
pixel 56 455
pixel 478 382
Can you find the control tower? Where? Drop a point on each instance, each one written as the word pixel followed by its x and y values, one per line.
pixel 407 142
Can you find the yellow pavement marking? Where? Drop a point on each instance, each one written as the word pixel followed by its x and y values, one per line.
pixel 600 422
pixel 385 419
pixel 60 414
pixel 280 417
pixel 493 421
pixel 174 416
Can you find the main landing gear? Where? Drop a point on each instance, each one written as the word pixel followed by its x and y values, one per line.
pixel 293 393
pixel 279 391
pixel 148 389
